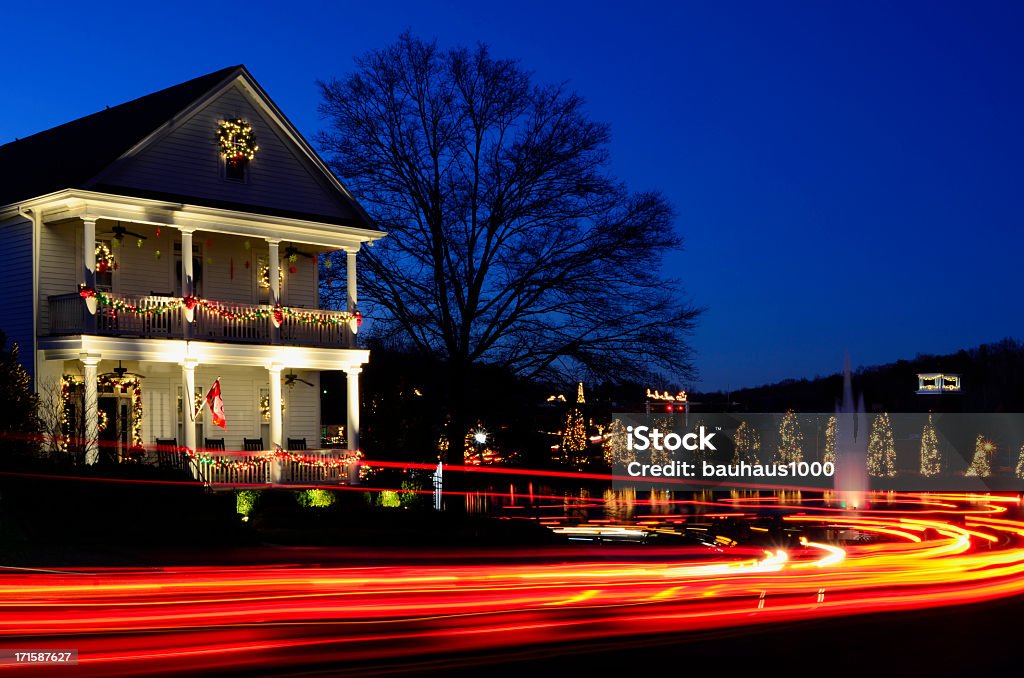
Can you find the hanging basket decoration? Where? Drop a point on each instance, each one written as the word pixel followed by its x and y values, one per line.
pixel 190 302
pixel 89 294
pixel 236 140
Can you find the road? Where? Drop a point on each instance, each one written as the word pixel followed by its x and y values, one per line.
pixel 914 553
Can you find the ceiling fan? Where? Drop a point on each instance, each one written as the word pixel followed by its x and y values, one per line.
pixel 120 372
pixel 291 378
pixel 291 251
pixel 120 232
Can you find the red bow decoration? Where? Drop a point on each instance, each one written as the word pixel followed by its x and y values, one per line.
pixel 86 292
pixel 278 315
pixel 190 302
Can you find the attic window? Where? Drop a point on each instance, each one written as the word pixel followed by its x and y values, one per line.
pixel 235 169
pixel 237 147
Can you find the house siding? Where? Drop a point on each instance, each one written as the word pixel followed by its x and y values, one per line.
pixel 302 409
pixel 186 161
pixel 59 265
pixel 17 323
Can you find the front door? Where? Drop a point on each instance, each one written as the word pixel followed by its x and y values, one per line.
pixel 109 440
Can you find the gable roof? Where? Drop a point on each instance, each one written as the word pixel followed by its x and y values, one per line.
pixel 75 154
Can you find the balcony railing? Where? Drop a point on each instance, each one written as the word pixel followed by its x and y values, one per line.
pixel 165 317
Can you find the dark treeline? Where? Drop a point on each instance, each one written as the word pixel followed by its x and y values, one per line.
pixel 991 374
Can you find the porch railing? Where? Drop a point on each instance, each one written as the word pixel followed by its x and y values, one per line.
pixel 231 469
pixel 164 317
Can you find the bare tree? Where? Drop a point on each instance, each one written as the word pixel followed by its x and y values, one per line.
pixel 51 412
pixel 510 243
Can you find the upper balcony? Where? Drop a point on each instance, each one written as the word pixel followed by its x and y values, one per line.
pixel 162 317
pixel 153 281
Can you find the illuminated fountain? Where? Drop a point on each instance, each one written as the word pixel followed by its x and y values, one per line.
pixel 851 479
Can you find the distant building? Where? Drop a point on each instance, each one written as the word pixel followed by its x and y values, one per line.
pixel 935 383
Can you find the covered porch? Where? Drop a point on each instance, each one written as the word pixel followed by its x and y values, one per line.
pixel 135 401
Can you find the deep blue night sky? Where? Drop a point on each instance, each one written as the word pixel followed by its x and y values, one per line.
pixel 848 176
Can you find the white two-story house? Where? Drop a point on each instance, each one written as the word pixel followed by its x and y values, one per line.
pixel 156 246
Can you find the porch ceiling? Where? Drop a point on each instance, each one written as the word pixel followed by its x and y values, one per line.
pixel 203 352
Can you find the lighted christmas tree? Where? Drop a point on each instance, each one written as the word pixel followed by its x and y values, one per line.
pixel 1020 462
pixel 574 433
pixel 614 446
pixel 981 465
pixel 574 438
pixel 699 455
pixel 881 448
pixel 830 441
pixel 931 461
pixel 791 440
pixel 747 444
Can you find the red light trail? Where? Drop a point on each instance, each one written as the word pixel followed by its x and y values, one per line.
pixel 917 552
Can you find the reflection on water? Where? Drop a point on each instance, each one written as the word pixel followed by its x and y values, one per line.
pixel 619 504
pixel 660 502
pixel 526 500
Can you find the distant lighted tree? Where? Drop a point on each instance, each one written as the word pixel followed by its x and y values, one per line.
pixel 699 455
pixel 791 440
pixel 614 446
pixel 931 461
pixel 981 464
pixel 830 441
pixel 1020 462
pixel 574 438
pixel 881 448
pixel 747 444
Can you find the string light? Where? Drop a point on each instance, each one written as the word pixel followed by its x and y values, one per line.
pixel 119 305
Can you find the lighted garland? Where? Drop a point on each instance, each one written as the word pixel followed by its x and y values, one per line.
pixel 243 464
pixel 327 463
pixel 255 313
pixel 236 140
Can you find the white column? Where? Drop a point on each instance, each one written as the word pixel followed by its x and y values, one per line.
pixel 187 283
pixel 187 286
pixel 353 298
pixel 274 262
pixel 188 401
pixel 352 374
pixel 89 267
pixel 89 252
pixel 91 414
pixel 275 406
